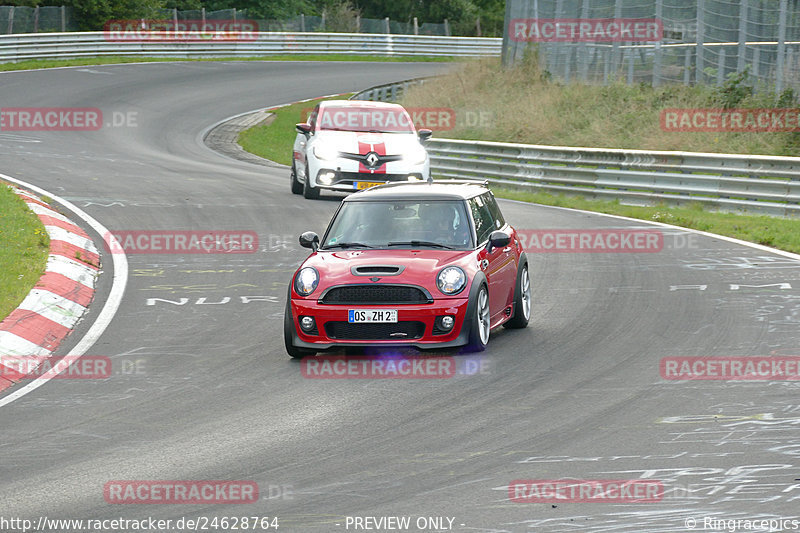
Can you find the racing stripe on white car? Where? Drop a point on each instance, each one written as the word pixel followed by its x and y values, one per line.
pixel 367 144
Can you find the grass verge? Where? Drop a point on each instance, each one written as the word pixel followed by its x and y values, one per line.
pixel 24 246
pixel 106 60
pixel 526 105
pixel 274 141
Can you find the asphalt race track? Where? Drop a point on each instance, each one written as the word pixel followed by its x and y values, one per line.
pixel 202 388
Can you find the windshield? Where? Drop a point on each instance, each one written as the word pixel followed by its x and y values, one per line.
pixel 400 224
pixel 365 119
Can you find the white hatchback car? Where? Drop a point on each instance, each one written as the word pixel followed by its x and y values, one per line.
pixel 349 145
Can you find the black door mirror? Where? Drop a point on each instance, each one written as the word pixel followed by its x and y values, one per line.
pixel 424 135
pixel 303 128
pixel 498 239
pixel 309 239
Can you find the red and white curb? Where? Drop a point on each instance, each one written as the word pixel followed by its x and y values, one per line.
pixel 60 298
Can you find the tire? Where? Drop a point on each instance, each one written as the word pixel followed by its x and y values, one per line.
pixel 522 299
pixel 480 327
pixel 297 187
pixel 288 335
pixel 309 192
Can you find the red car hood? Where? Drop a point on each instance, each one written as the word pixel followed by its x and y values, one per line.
pixel 421 266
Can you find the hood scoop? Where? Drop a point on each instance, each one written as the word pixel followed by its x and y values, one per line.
pixel 377 270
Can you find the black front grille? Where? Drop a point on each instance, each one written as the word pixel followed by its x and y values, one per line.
pixel 375 294
pixel 368 176
pixel 377 331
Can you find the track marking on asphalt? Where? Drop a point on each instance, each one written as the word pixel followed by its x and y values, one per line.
pixel 118 283
pixel 761 247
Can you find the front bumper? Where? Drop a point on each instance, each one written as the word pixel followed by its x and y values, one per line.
pixel 328 317
pixel 337 180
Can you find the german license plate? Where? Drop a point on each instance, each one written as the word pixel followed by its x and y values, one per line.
pixel 358 316
pixel 361 185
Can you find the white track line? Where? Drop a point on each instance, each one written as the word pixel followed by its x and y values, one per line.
pixel 118 283
pixel 662 224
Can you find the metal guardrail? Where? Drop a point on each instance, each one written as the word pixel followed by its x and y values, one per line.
pixel 20 47
pixel 755 184
pixel 390 92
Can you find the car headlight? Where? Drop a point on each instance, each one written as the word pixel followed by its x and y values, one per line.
pixel 416 155
pixel 325 152
pixel 306 281
pixel 451 280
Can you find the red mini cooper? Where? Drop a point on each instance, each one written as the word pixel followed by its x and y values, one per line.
pixel 427 264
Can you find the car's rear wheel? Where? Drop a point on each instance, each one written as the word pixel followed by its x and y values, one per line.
pixel 312 193
pixel 288 336
pixel 481 322
pixel 297 187
pixel 522 300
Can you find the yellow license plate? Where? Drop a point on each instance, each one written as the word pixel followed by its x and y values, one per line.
pixel 361 185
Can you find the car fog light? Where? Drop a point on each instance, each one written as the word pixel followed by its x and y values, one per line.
pixel 412 177
pixel 326 178
pixel 447 322
pixel 307 323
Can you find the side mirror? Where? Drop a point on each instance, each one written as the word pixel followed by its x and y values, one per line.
pixel 498 239
pixel 424 135
pixel 303 128
pixel 309 239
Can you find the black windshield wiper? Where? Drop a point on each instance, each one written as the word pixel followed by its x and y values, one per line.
pixel 347 245
pixel 420 243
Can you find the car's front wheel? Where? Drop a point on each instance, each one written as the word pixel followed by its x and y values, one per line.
pixel 297 187
pixel 312 193
pixel 481 322
pixel 522 300
pixel 288 336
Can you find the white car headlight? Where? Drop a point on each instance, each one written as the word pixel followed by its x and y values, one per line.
pixel 325 152
pixel 416 155
pixel 306 281
pixel 451 280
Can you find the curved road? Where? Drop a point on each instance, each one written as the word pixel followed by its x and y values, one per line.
pixel 202 388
